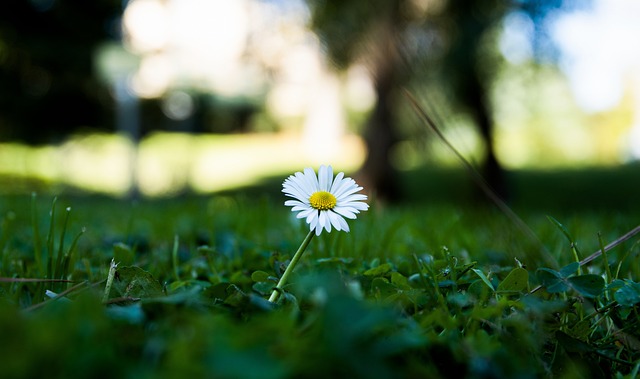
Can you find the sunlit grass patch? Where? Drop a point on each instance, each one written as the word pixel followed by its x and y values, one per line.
pixel 165 164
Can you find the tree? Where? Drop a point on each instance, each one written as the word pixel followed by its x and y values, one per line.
pixel 46 68
pixel 368 31
pixel 383 34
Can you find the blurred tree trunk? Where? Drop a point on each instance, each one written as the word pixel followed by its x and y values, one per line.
pixel 376 32
pixel 462 69
pixel 492 171
pixel 378 172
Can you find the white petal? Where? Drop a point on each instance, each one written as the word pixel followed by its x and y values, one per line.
pixel 346 186
pixel 358 205
pixel 325 175
pixel 346 212
pixel 321 177
pixel 336 182
pixel 293 189
pixel 351 192
pixel 324 221
pixel 346 206
pixel 353 198
pixel 303 183
pixel 329 178
pixel 312 220
pixel 344 224
pixel 322 218
pixel 335 220
pixel 305 212
pixel 311 180
pixel 312 216
pixel 295 203
pixel 300 183
pixel 339 185
pixel 301 208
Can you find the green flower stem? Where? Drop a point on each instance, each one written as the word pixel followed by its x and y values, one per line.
pixel 296 257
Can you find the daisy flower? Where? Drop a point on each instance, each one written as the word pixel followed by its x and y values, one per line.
pixel 324 201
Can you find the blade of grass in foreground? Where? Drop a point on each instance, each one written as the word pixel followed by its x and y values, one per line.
pixel 52 217
pixel 481 182
pixel 37 241
pixel 4 236
pixel 58 266
pixel 69 255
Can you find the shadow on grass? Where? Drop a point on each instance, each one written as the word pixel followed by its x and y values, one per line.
pixel 614 188
pixel 593 189
pixel 569 189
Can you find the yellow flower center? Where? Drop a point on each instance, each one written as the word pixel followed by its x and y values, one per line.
pixel 322 200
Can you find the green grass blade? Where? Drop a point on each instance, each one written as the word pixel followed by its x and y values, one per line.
pixel 561 227
pixel 52 217
pixel 68 257
pixel 605 259
pixel 4 235
pixel 484 278
pixel 37 240
pixel 572 243
pixel 174 257
pixel 59 255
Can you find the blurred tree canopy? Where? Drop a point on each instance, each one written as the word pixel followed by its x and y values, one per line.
pixel 404 41
pixel 47 84
pixel 48 87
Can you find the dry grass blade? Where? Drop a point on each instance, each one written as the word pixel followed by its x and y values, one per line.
pixel 607 248
pixel 481 182
pixel 34 280
pixel 60 295
pixel 610 246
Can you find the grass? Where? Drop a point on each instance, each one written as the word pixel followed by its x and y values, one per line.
pixel 437 287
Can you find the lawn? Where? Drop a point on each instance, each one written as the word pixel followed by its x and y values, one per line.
pixel 441 286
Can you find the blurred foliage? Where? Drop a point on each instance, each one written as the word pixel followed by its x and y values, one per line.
pixel 46 67
pixel 49 88
pixel 443 50
pixel 386 300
